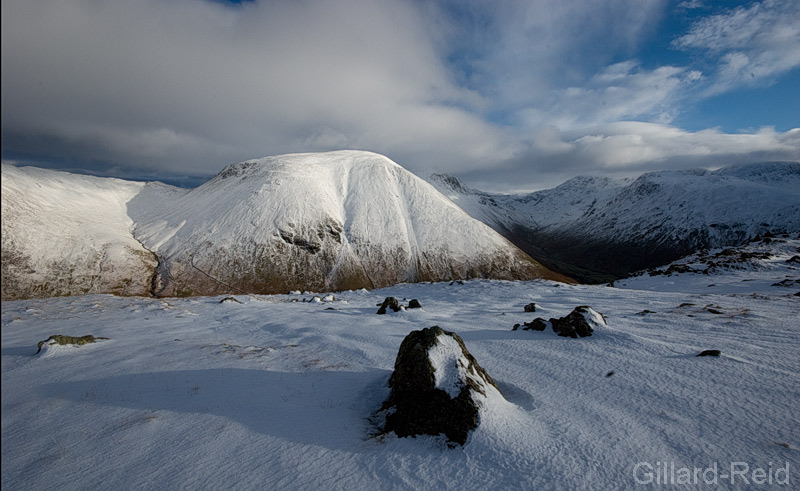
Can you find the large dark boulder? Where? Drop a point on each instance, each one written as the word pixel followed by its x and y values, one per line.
pixel 436 387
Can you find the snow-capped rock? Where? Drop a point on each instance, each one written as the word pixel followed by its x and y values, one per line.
pixel 437 387
pixel 581 322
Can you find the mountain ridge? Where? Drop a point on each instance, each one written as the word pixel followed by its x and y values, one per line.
pixel 598 229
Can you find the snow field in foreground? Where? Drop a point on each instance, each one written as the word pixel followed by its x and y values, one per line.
pixel 275 394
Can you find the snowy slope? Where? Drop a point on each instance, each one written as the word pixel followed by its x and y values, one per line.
pixel 268 392
pixel 330 221
pixel 614 227
pixel 66 234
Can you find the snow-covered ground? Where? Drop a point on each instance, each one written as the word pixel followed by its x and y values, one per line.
pixel 272 392
pixel 761 265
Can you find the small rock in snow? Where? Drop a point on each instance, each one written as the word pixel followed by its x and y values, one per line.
pixel 389 303
pixel 537 324
pixel 64 340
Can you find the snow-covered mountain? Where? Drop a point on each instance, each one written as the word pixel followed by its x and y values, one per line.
pixel 67 234
pixel 599 228
pixel 332 221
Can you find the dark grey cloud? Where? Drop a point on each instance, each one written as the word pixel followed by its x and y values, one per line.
pixel 191 84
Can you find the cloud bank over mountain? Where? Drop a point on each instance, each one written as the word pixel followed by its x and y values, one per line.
pixel 501 93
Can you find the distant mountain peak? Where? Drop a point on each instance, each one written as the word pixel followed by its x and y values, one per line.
pixel 450 182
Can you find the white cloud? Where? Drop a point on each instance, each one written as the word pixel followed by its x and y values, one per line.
pixel 752 45
pixel 633 145
pixel 627 149
pixel 622 91
pixel 690 4
pixel 523 51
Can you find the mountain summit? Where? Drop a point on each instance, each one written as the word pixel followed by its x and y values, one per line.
pixel 329 221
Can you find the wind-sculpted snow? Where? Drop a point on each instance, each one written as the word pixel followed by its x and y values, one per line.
pixel 279 392
pixel 334 221
pixel 605 228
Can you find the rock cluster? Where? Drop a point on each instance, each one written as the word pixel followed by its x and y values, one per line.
pixel 581 322
pixel 392 303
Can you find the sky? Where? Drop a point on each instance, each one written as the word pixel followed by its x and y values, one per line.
pixel 508 95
